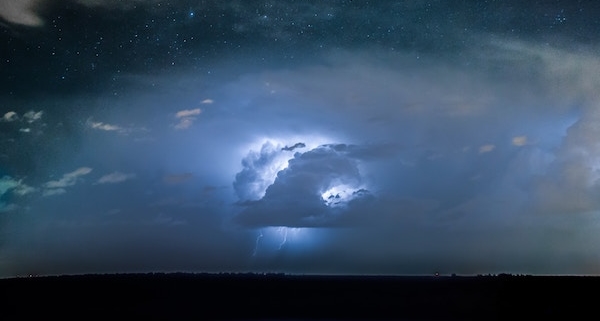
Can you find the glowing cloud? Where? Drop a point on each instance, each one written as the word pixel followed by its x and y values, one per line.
pixel 307 190
pixel 260 171
pixel 339 195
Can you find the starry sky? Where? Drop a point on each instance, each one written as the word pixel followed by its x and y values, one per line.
pixel 313 137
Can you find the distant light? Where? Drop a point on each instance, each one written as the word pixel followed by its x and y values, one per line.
pixel 192 14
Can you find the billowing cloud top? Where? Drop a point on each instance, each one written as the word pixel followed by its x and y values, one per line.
pixel 303 189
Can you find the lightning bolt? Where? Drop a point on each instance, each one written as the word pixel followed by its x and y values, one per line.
pixel 283 230
pixel 260 236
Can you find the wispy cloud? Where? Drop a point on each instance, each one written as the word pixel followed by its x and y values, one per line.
pixel 7 183
pixel 32 116
pixel 104 126
pixel 519 141
pixel 24 189
pixel 486 148
pixel 115 177
pixel 17 186
pixel 123 130
pixel 187 117
pixel 188 113
pixel 54 191
pixel 69 179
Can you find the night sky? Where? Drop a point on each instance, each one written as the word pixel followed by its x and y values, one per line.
pixel 337 137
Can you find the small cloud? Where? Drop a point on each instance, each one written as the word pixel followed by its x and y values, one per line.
pixel 32 116
pixel 116 177
pixel 186 117
pixel 25 130
pixel 104 126
pixel 519 141
pixel 24 189
pixel 184 123
pixel 7 183
pixel 116 128
pixel 9 116
pixel 68 179
pixel 486 148
pixel 54 191
pixel 188 113
pixel 207 101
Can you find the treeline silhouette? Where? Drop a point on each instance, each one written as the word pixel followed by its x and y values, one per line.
pixel 258 296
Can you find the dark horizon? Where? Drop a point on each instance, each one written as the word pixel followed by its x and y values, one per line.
pixel 276 297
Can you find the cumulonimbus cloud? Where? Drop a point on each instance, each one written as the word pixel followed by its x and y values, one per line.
pixel 306 193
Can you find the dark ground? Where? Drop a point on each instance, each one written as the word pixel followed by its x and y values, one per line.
pixel 284 297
